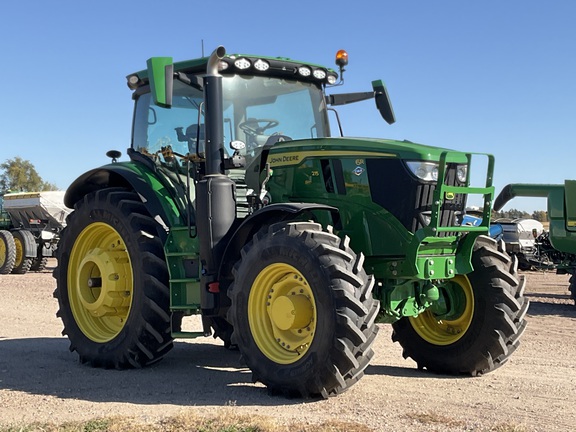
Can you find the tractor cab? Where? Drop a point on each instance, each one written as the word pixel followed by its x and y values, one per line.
pixel 258 111
pixel 264 101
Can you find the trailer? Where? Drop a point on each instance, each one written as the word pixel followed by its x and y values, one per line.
pixel 30 229
pixel 520 236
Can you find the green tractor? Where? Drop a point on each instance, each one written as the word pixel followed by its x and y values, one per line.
pixel 238 206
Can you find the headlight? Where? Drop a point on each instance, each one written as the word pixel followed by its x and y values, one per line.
pixel 461 173
pixel 427 171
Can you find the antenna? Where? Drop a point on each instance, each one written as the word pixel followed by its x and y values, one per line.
pixel 202 47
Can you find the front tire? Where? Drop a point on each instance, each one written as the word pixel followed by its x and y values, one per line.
pixel 7 252
pixel 302 311
pixel 481 324
pixel 112 282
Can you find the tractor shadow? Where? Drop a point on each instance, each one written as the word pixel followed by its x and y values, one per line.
pixel 397 371
pixel 540 307
pixel 191 374
pixel 408 372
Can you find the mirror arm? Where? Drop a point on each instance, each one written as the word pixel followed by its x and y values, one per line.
pixel 347 98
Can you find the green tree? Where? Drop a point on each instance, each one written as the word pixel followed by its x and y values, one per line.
pixel 516 214
pixel 19 175
pixel 511 214
pixel 540 215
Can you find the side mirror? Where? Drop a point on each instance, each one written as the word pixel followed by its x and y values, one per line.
pixel 161 76
pixel 383 101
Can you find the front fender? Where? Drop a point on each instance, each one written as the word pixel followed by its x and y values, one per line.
pixel 159 201
pixel 265 216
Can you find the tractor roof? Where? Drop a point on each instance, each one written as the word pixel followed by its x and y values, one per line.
pixel 248 64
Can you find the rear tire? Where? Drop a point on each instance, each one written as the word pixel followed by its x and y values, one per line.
pixel 302 311
pixel 487 328
pixel 39 263
pixel 572 288
pixel 23 262
pixel 112 282
pixel 7 252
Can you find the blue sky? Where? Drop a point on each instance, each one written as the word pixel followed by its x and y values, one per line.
pixel 492 76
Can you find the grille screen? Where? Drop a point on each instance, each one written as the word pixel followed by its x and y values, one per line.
pixel 408 198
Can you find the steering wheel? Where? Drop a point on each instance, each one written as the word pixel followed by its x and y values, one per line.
pixel 253 126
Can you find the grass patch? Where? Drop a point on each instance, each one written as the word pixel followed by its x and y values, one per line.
pixel 96 425
pixel 431 418
pixel 188 423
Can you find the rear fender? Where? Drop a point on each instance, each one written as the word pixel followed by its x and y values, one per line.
pixel 141 180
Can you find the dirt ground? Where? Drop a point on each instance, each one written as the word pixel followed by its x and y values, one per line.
pixel 40 380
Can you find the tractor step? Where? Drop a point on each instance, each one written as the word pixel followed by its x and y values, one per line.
pixel 184 268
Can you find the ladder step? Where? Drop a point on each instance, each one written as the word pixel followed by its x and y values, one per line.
pixel 184 280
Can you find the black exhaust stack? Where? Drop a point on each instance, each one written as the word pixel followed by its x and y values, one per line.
pixel 213 118
pixel 215 193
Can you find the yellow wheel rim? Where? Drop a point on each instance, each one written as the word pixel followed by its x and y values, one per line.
pixel 446 329
pixel 3 252
pixel 100 282
pixel 19 252
pixel 282 313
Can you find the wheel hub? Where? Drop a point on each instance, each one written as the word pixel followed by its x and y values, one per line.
pixel 291 312
pixel 100 282
pixel 100 288
pixel 450 317
pixel 282 313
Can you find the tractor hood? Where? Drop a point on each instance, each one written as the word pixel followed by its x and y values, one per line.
pixel 293 152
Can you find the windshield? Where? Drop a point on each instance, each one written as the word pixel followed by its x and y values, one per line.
pixel 257 110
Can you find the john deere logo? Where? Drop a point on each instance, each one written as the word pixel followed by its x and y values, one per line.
pixel 450 196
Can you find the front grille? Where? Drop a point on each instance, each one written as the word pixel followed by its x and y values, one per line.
pixel 408 198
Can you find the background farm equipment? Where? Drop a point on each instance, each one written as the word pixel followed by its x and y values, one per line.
pixel 30 226
pixel 524 238
pixel 557 247
pixel 287 241
pixel 521 236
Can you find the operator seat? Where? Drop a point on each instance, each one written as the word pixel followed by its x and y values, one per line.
pixel 190 137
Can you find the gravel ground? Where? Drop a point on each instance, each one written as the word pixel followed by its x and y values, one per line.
pixel 40 380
